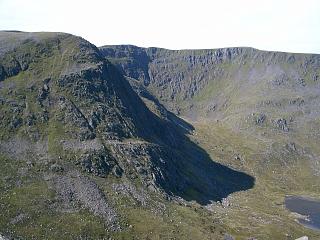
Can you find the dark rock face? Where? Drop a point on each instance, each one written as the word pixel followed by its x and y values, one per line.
pixel 135 62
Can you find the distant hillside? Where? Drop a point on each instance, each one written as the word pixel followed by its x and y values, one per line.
pixel 230 84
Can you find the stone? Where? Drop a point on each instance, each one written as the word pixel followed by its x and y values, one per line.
pixel 292 146
pixel 2 73
pixel 99 162
pixel 16 122
pixel 225 202
pixel 228 237
pixel 56 168
pixel 303 238
pixel 2 237
pixel 302 82
pixel 282 124
pixel 260 118
pixel 117 171
pixel 18 219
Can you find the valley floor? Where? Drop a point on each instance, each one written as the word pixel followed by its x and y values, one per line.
pixel 259 212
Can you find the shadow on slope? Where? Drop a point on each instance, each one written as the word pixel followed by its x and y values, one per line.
pixel 198 178
pixel 208 180
pixel 181 168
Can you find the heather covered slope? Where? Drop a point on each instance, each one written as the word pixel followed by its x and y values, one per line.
pixel 79 146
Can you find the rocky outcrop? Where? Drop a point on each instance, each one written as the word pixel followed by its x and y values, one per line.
pixel 218 84
pixel 100 163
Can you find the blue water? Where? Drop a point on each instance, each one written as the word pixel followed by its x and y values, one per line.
pixel 305 206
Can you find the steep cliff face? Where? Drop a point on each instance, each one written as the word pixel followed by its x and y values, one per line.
pixel 233 84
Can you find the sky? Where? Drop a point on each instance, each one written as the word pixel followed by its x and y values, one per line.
pixel 278 25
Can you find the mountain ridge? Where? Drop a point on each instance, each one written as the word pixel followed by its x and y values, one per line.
pixel 205 49
pixel 202 145
pixel 180 76
pixel 70 119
